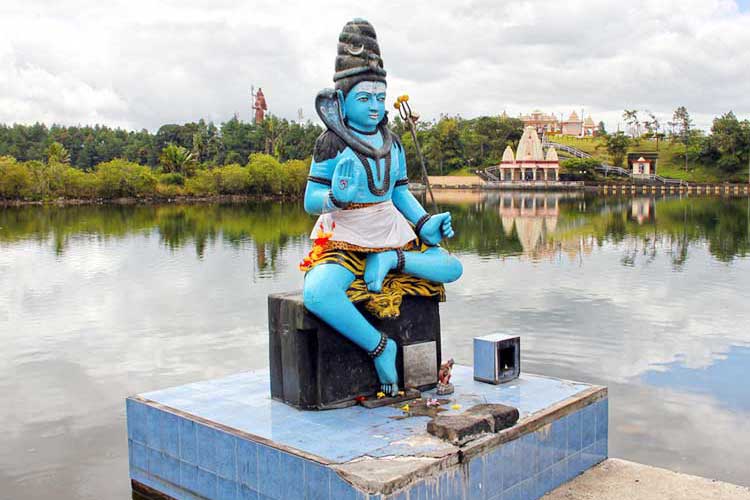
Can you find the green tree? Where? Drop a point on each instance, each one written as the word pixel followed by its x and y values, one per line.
pixel 233 179
pixel 294 177
pixel 15 179
pixel 265 174
pixel 681 118
pixel 121 178
pixel 580 168
pixel 617 147
pixel 653 126
pixel 631 118
pixel 443 149
pixel 56 153
pixel 174 158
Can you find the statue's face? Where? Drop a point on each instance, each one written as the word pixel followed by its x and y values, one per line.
pixel 364 105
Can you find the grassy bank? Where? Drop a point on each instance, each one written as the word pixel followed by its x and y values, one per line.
pixel 671 161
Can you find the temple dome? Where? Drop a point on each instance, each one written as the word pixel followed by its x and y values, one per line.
pixel 552 154
pixel 508 155
pixel 589 122
pixel 530 147
pixel 574 117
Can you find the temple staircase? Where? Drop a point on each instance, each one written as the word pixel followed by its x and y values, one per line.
pixel 608 169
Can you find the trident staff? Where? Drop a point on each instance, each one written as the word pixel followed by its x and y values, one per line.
pixel 406 114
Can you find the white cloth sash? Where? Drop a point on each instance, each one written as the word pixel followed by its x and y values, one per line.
pixel 375 226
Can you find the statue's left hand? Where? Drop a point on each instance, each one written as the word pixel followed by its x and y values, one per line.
pixel 438 227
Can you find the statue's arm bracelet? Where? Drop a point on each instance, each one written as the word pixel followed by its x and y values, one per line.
pixel 336 203
pixel 402 182
pixel 421 222
pixel 319 180
pixel 401 260
pixel 380 347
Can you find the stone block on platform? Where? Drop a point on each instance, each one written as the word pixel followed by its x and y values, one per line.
pixel 503 416
pixel 460 429
pixel 234 441
pixel 497 358
pixel 314 367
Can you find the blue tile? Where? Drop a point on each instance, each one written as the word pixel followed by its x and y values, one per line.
pixel 400 495
pixel 153 433
pixel 588 426
pixel 601 449
pixel 476 478
pixel 552 477
pixel 493 474
pixel 136 415
pixel 341 490
pixel 292 469
pixel 188 444
pixel 216 451
pixel 226 489
pixel 527 490
pixel 573 422
pixel 162 486
pixel 317 481
pixel 528 453
pixel 170 441
pixel 163 466
pixel 139 456
pixel 269 479
pixel 513 470
pixel 602 419
pixel 589 457
pixel 514 493
pixel 546 447
pixel 451 485
pixel 419 491
pixel 575 465
pixel 559 439
pixel 532 488
pixel 246 493
pixel 247 463
pixel 241 401
pixel 568 473
pixel 197 480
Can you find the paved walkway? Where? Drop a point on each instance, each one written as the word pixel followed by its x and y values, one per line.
pixel 616 479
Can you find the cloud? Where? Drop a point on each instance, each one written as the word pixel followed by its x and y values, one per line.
pixel 142 64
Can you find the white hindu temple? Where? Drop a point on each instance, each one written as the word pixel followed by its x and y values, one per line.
pixel 530 162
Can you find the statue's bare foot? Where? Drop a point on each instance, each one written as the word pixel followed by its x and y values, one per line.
pixel 385 365
pixel 376 267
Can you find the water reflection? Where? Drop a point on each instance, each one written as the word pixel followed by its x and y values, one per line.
pixel 534 225
pixel 646 295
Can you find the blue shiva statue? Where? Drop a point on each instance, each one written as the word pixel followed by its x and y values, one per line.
pixel 359 188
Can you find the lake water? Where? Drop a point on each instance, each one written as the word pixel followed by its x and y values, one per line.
pixel 649 296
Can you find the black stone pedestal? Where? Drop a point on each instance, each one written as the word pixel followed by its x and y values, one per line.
pixel 314 367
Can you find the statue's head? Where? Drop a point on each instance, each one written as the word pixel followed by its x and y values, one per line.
pixel 360 77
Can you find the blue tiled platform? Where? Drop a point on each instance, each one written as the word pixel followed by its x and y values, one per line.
pixel 227 439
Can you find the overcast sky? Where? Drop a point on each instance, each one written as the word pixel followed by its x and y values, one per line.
pixel 140 64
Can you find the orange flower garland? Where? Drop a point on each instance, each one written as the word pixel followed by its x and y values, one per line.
pixel 320 244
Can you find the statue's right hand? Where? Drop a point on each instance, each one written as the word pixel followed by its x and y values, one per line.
pixel 345 181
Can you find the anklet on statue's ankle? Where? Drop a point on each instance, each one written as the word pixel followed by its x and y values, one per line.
pixel 380 347
pixel 400 260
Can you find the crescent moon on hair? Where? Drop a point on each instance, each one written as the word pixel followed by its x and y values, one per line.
pixel 356 52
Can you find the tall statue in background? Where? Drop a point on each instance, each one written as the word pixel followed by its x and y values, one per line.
pixel 370 230
pixel 260 106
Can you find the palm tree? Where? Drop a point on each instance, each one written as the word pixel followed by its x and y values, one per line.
pixel 174 158
pixel 631 118
pixel 56 153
